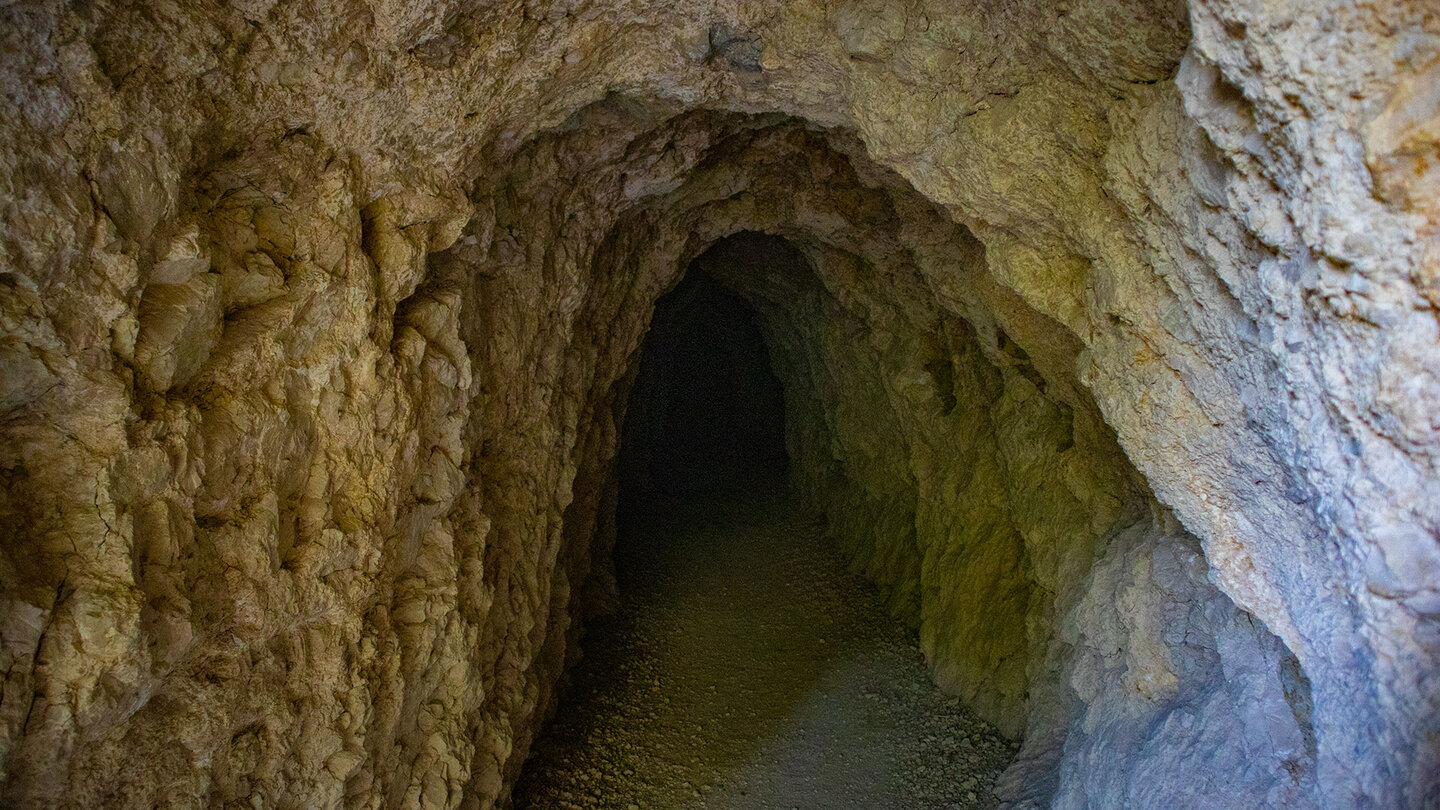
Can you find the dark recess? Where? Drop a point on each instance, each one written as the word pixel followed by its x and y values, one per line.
pixel 706 414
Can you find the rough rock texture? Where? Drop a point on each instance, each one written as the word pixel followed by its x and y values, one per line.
pixel 1108 333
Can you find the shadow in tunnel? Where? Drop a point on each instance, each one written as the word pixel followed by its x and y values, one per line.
pixel 706 413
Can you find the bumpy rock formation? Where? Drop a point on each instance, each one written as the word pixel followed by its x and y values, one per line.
pixel 1107 331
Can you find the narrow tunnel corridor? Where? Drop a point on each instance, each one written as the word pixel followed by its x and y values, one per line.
pixel 746 667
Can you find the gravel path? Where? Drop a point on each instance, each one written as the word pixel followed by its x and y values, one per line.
pixel 748 669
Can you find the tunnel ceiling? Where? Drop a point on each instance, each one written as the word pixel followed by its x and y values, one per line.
pixel 1106 331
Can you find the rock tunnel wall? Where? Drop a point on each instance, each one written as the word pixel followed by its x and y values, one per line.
pixel 320 322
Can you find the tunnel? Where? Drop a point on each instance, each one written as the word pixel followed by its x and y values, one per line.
pixel 984 405
pixel 706 413
pixel 744 665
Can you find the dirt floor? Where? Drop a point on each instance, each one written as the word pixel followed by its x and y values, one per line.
pixel 747 668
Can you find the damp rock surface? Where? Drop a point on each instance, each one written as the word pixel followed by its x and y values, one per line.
pixel 747 668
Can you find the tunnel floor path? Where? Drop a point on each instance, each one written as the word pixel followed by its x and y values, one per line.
pixel 746 668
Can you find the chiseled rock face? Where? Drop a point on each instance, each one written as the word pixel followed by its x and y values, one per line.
pixel 1108 333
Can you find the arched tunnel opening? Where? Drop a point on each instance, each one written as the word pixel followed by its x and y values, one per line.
pixel 842 392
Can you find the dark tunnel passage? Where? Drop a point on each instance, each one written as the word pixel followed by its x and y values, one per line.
pixel 707 413
pixel 745 665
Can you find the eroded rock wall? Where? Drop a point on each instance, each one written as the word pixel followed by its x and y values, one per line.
pixel 318 321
